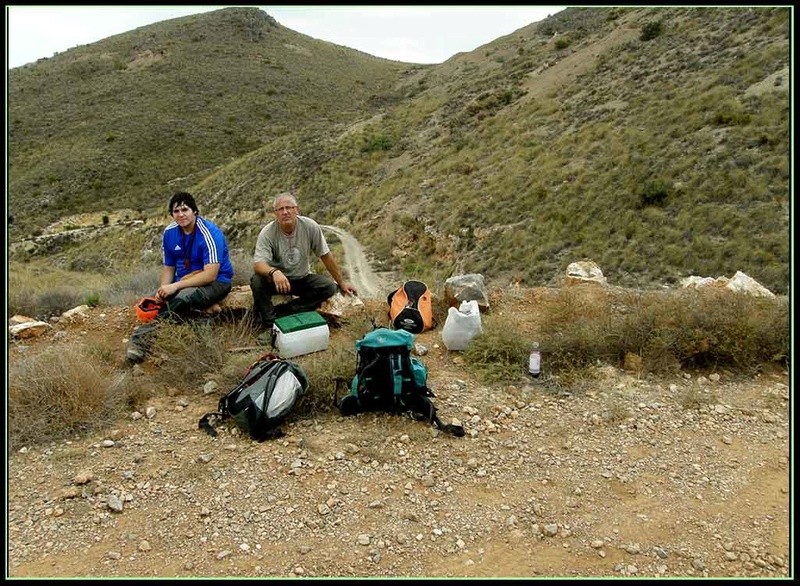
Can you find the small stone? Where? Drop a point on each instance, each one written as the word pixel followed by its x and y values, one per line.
pixel 84 477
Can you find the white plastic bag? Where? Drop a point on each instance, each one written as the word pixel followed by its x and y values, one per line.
pixel 461 325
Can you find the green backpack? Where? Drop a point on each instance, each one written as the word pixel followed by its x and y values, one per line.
pixel 389 379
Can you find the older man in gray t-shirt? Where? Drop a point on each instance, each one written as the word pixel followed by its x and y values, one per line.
pixel 282 264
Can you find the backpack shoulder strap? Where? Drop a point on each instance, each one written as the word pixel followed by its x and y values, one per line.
pixel 209 420
pixel 456 430
pixel 396 364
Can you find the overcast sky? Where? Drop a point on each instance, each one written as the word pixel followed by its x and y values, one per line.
pixel 414 34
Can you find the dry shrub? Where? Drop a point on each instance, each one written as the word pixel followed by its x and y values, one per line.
pixel 643 329
pixel 63 390
pixel 700 328
pixel 498 353
pixel 577 328
pixel 669 330
pixel 187 352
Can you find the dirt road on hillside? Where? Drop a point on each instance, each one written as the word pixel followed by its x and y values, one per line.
pixel 367 282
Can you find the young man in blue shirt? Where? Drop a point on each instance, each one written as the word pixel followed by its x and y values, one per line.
pixel 196 271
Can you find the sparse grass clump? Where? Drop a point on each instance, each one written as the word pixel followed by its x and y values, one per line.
pixel 187 351
pixel 64 390
pixel 616 410
pixel 685 328
pixel 695 396
pixel 498 353
pixel 335 366
pixel 126 288
pixel 242 266
pixel 326 370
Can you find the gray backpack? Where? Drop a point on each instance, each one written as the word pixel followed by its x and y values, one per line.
pixel 259 404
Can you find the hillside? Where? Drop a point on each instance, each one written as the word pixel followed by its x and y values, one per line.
pixel 655 141
pixel 163 106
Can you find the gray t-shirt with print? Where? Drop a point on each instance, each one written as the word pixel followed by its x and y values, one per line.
pixel 291 254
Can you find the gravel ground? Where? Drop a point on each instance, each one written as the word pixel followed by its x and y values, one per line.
pixel 619 480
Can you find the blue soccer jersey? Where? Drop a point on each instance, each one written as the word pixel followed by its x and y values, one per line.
pixel 191 252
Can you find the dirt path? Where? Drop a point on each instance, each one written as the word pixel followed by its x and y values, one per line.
pixel 368 283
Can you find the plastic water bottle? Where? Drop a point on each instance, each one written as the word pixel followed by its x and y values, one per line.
pixel 535 361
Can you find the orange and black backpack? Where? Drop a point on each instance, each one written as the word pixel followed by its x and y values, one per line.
pixel 411 308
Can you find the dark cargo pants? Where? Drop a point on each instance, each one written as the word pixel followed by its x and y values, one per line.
pixel 309 291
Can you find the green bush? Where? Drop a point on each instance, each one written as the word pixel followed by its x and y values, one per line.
pixel 376 142
pixel 562 43
pixel 93 299
pixel 654 193
pixel 651 30
pixel 731 113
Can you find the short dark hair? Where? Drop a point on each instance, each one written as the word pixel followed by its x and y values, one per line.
pixel 182 197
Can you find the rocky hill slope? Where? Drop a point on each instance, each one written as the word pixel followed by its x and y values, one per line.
pixel 654 140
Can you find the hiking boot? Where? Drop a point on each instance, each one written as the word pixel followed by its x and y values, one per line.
pixel 349 405
pixel 134 354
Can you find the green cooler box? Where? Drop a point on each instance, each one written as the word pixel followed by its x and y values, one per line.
pixel 301 333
